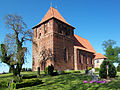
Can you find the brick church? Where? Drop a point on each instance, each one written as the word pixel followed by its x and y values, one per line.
pixel 56 44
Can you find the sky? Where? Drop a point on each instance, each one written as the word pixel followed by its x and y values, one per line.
pixel 95 20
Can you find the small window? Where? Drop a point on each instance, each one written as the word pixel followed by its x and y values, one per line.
pixel 97 61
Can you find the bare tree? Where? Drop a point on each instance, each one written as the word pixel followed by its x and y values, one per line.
pixel 20 34
pixel 45 54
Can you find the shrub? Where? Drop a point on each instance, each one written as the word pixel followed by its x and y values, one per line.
pixel 55 73
pixel 29 77
pixel 103 70
pixel 118 68
pixel 13 85
pixel 26 83
pixel 23 69
pixel 29 69
pixel 111 70
pixel 76 72
pixel 17 79
pixel 26 69
pixel 46 70
pixel 4 83
pixel 63 72
pixel 97 69
pixel 89 68
pixel 50 69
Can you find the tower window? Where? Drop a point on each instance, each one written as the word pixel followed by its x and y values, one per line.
pixel 79 57
pixel 67 32
pixel 59 27
pixel 40 33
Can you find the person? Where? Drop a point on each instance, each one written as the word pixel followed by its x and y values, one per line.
pixel 93 70
pixel 92 74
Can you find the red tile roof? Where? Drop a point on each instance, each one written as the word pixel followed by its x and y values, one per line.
pixel 53 13
pixel 99 56
pixel 83 43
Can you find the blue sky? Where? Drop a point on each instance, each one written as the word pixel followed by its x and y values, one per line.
pixel 95 20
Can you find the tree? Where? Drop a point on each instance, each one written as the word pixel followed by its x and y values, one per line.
pixel 111 70
pixel 5 58
pixel 107 69
pixel 45 54
pixel 111 52
pixel 20 35
pixel 103 69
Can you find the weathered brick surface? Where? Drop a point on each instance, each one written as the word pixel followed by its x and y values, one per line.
pixel 58 42
pixel 83 65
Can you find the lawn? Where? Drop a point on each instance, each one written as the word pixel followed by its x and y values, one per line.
pixel 72 81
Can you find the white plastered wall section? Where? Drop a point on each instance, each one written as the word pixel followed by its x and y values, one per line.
pixel 98 62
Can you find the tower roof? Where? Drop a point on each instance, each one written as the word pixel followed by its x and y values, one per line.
pixel 53 13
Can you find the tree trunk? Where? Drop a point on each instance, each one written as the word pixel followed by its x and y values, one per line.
pixel 11 69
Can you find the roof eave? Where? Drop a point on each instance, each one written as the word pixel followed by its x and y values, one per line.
pixel 52 18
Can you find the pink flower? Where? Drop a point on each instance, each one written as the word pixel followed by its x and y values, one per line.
pixel 85 81
pixel 91 81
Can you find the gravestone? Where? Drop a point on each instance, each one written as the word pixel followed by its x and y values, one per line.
pixel 59 72
pixel 91 73
pixel 94 78
pixel 38 70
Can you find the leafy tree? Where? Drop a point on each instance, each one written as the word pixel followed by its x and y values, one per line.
pixel 118 68
pixel 20 34
pixel 103 69
pixel 111 52
pixel 111 70
pixel 5 58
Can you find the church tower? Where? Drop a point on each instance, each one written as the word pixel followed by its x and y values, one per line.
pixel 55 38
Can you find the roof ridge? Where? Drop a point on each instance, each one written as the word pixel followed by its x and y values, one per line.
pixel 53 13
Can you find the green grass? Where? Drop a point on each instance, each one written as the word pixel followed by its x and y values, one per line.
pixel 72 81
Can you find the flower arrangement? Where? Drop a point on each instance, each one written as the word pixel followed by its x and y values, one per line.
pixel 95 81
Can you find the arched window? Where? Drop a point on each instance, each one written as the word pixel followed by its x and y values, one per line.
pixel 65 55
pixel 79 56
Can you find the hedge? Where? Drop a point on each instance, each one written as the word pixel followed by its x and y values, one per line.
pixel 29 77
pixel 26 83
